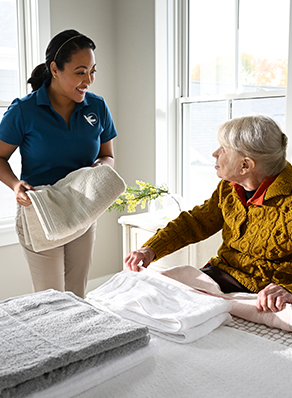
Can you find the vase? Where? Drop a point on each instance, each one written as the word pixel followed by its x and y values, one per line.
pixel 166 206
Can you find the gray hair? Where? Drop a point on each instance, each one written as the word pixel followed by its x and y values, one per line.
pixel 258 137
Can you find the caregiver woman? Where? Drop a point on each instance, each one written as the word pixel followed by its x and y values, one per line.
pixel 59 127
pixel 252 205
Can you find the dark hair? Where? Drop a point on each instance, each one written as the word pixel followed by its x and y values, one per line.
pixel 60 49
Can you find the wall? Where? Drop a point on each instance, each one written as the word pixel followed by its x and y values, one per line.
pixel 136 89
pixel 123 31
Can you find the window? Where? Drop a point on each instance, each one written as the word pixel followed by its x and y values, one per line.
pixel 23 30
pixel 9 83
pixel 234 61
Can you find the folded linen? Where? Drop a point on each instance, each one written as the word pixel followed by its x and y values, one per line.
pixel 65 210
pixel 48 336
pixel 243 304
pixel 195 333
pixel 92 377
pixel 174 313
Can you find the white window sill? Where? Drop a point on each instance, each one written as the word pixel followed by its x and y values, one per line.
pixel 8 234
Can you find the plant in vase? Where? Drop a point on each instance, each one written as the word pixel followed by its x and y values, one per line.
pixel 141 194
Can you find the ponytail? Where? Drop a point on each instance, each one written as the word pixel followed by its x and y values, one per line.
pixel 38 76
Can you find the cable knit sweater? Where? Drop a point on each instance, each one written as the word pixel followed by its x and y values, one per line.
pixel 257 240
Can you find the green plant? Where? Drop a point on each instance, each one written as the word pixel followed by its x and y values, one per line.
pixel 139 195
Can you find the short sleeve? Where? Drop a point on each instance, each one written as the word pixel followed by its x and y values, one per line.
pixel 109 128
pixel 11 126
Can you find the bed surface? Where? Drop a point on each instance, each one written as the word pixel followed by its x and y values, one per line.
pixel 226 363
pixel 241 359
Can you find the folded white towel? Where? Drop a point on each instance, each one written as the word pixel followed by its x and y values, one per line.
pixel 98 374
pixel 195 333
pixel 172 312
pixel 65 210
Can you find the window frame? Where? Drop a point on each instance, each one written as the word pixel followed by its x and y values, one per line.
pixel 228 99
pixel 33 19
pixel 172 76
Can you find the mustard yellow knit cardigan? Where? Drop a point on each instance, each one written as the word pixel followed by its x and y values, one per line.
pixel 257 240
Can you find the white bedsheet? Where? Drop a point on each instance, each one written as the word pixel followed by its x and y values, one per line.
pixel 227 363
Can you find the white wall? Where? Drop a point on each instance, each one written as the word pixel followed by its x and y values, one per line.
pixel 123 31
pixel 136 89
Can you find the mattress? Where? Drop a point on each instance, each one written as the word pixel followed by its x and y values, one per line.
pixel 227 363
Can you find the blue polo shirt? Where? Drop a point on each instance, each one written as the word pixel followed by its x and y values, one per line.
pixel 49 149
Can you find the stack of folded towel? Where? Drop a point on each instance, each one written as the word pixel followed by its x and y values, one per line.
pixel 49 336
pixel 65 210
pixel 176 314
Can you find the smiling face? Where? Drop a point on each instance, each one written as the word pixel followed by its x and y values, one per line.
pixel 72 83
pixel 229 164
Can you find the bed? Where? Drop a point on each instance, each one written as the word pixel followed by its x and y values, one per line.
pixel 237 359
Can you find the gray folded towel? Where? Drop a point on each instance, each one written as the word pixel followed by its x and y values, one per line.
pixel 64 211
pixel 48 336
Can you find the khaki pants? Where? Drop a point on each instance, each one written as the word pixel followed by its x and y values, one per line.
pixel 64 268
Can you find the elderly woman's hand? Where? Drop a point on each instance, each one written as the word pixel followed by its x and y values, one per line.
pixel 134 259
pixel 273 298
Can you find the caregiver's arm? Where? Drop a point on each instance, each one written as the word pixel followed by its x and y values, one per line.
pixel 145 254
pixel 273 298
pixel 106 155
pixel 9 178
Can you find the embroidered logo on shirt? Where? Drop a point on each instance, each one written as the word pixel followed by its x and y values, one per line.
pixel 91 118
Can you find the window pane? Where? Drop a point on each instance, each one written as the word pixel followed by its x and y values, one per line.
pixel 9 89
pixel 273 107
pixel 8 51
pixel 263 43
pixel 200 121
pixel 212 47
pixel 229 54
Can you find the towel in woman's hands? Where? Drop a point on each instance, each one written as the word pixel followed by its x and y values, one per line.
pixel 65 210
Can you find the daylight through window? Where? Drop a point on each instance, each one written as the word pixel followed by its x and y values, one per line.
pixel 237 65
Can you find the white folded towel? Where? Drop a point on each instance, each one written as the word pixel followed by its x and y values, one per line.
pixel 80 382
pixel 176 314
pixel 64 211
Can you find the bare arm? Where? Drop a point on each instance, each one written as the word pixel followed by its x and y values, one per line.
pixel 106 154
pixel 9 178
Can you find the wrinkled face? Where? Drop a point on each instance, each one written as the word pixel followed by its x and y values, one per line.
pixel 228 164
pixel 77 76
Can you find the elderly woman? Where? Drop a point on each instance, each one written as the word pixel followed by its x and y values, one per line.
pixel 252 205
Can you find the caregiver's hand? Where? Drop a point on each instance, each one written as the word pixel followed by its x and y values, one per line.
pixel 145 254
pixel 19 190
pixel 273 298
